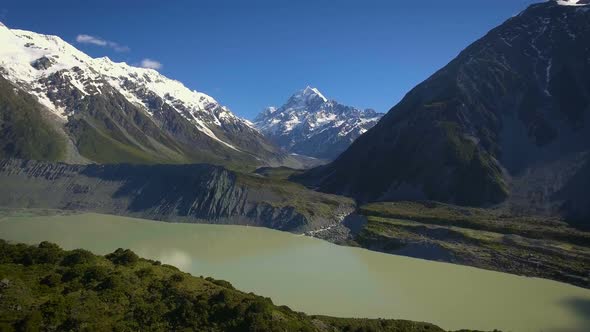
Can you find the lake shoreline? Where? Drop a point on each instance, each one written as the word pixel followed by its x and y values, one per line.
pixel 263 261
pixel 346 233
pixel 455 242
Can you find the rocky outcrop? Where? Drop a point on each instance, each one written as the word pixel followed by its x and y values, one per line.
pixel 180 193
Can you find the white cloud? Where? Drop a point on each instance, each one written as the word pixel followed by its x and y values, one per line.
pixel 87 39
pixel 152 64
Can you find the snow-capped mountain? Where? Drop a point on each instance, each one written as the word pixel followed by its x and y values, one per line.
pixel 79 90
pixel 310 124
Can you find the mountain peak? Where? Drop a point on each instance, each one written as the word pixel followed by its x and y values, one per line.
pixel 308 94
pixel 313 91
pixel 308 124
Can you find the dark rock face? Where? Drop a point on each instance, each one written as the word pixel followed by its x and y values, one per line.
pixel 512 103
pixel 183 193
pixel 42 63
pixel 575 198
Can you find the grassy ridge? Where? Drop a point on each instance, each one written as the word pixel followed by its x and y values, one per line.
pixel 483 238
pixel 49 289
pixel 289 194
pixel 24 133
pixel 476 218
pixel 101 148
pixel 476 177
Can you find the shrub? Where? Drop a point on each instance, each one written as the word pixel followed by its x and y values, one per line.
pixel 123 257
pixel 53 279
pixel 32 322
pixel 78 256
pixel 48 253
pixel 72 273
pixel 95 274
pixel 112 282
pixel 222 283
pixel 144 273
pixel 177 277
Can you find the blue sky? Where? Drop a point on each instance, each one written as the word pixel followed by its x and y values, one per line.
pixel 256 53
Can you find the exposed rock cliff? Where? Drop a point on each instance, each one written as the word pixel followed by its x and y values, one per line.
pixel 184 193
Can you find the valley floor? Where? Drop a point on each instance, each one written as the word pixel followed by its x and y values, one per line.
pixel 481 238
pixel 484 238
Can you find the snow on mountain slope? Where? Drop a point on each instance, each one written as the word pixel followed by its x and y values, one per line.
pixel 28 58
pixel 310 124
pixel 573 2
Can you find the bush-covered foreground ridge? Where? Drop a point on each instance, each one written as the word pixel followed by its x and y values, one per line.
pixel 45 288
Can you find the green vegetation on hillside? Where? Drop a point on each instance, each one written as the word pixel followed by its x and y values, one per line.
pixel 474 169
pixel 101 148
pixel 24 133
pixel 284 194
pixel 281 173
pixel 111 130
pixel 436 213
pixel 107 128
pixel 483 238
pixel 44 288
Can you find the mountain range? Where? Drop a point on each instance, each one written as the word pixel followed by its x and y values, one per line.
pixel 61 104
pixel 309 124
pixel 485 163
pixel 504 124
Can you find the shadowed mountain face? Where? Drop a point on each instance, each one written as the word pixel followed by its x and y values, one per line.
pixel 504 122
